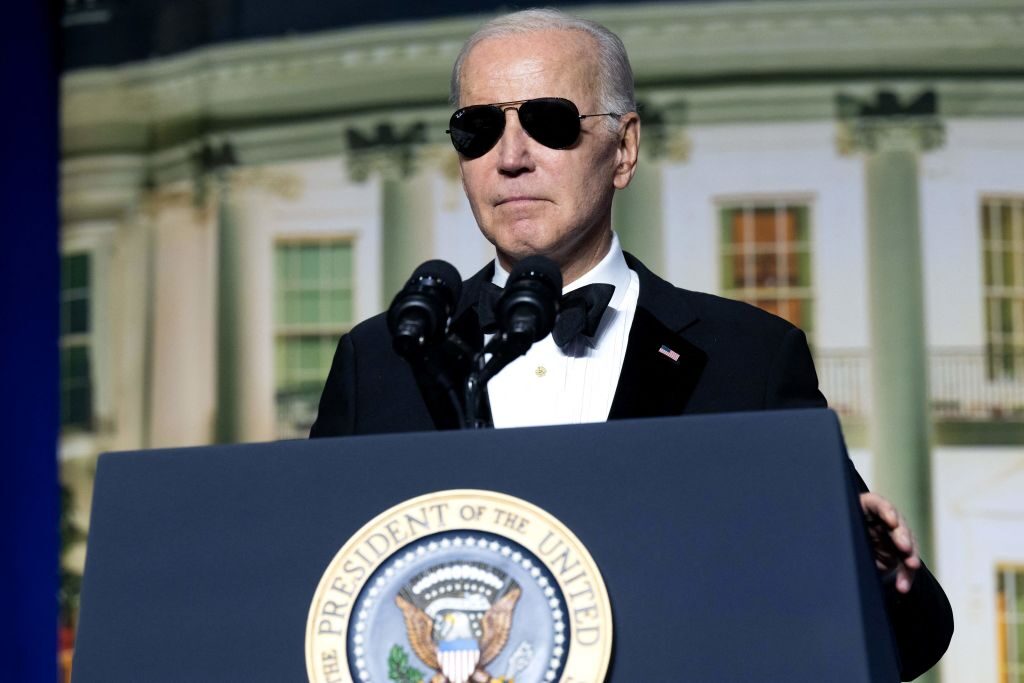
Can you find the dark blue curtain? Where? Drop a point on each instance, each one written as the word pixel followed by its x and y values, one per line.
pixel 28 343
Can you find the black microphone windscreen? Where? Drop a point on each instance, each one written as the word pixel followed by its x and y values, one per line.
pixel 542 266
pixel 443 273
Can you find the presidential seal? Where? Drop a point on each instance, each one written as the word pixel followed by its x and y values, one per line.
pixel 460 586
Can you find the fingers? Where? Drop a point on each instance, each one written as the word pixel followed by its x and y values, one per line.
pixel 893 543
pixel 909 564
pixel 878 508
pixel 904 580
pixel 904 541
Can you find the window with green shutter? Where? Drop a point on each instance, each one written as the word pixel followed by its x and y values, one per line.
pixel 1002 236
pixel 314 307
pixel 75 328
pixel 1010 623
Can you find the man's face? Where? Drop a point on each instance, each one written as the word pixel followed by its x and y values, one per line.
pixel 527 198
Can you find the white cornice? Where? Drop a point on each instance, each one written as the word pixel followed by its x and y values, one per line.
pixel 315 79
pixel 100 186
pixel 779 39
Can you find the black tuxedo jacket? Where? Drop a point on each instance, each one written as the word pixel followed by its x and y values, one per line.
pixel 733 357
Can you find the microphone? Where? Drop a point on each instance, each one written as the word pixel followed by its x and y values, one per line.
pixel 419 314
pixel 525 313
pixel 527 309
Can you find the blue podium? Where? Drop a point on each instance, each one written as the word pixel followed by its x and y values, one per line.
pixel 732 546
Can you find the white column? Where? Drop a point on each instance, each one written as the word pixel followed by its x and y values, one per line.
pixel 182 371
pixel 901 426
pixel 245 309
pixel 407 226
pixel 130 299
pixel 403 156
pixel 638 214
pixel 901 429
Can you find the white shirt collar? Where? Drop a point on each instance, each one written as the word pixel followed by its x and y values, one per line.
pixel 611 269
pixel 575 383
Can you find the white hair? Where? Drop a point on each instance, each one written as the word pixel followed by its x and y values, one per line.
pixel 614 74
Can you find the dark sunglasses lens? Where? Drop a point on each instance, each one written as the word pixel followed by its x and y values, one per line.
pixel 551 121
pixel 476 129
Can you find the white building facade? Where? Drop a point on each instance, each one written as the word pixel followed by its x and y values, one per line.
pixel 229 212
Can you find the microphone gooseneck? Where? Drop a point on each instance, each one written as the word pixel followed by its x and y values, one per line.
pixel 525 313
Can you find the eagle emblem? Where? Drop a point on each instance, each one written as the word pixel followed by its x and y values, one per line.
pixel 458 616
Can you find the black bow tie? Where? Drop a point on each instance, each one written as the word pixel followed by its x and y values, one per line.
pixel 579 311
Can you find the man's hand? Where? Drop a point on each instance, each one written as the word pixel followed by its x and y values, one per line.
pixel 892 541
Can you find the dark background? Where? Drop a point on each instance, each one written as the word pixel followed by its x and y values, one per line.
pixel 105 32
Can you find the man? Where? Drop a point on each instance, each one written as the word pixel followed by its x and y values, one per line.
pixel 540 175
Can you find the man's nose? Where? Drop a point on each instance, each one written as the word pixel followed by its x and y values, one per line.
pixel 514 146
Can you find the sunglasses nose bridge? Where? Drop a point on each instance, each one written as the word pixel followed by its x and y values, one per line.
pixel 516 121
pixel 505 109
pixel 513 145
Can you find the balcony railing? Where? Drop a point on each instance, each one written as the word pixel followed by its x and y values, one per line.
pixel 961 385
pixel 296 411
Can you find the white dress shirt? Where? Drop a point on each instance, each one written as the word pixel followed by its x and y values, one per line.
pixel 576 383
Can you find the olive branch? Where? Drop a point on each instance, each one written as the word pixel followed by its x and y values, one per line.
pixel 399 669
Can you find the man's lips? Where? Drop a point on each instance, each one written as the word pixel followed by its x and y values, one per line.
pixel 518 199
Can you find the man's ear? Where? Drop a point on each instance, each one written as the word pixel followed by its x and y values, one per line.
pixel 628 150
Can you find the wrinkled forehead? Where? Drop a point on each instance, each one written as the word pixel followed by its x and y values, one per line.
pixel 550 63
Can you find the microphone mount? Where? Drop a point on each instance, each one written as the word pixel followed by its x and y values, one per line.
pixel 525 314
pixel 419 319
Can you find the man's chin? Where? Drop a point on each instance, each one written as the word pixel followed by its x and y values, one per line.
pixel 513 254
pixel 524 238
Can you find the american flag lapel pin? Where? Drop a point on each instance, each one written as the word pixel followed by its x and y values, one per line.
pixel 672 355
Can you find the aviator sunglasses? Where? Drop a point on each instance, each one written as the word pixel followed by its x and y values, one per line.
pixel 552 121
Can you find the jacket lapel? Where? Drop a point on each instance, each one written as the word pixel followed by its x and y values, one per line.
pixel 661 368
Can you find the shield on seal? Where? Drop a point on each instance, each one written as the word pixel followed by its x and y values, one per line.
pixel 458 659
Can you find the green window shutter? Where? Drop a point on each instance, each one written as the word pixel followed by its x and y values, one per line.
pixel 315 305
pixel 75 326
pixel 1002 234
